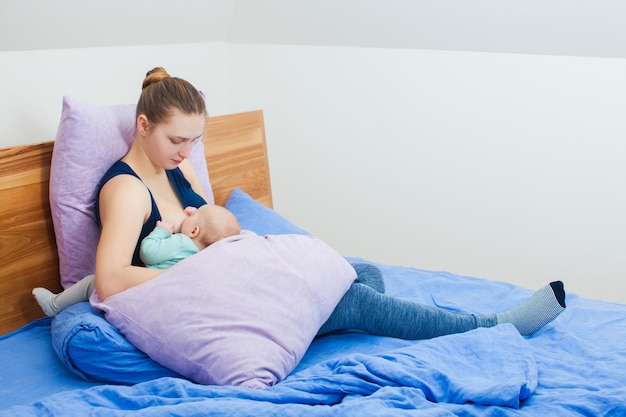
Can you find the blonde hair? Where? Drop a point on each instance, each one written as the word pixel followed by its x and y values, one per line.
pixel 161 93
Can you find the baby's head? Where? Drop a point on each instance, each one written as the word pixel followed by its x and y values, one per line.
pixel 208 224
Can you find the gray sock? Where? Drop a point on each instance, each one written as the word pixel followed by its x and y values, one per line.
pixel 52 304
pixel 540 309
pixel 46 300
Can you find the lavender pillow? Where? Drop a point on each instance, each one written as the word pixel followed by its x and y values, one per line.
pixel 241 312
pixel 88 141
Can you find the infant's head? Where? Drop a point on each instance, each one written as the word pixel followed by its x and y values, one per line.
pixel 208 224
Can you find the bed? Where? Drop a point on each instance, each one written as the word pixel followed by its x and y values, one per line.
pixel 576 365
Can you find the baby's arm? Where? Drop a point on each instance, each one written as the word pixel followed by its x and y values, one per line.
pixel 158 246
pixel 168 226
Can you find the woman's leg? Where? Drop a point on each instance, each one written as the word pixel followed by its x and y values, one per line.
pixel 52 304
pixel 369 274
pixel 364 309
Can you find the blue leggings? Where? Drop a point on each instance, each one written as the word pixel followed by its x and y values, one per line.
pixel 366 308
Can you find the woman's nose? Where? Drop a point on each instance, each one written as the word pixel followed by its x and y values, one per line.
pixel 185 149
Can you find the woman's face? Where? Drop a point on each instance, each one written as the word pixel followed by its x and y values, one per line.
pixel 169 143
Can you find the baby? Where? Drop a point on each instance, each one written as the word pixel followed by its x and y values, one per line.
pixel 161 249
pixel 204 226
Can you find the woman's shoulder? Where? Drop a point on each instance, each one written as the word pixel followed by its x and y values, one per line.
pixel 118 168
pixel 120 185
pixel 125 190
pixel 186 175
pixel 186 168
pixel 119 176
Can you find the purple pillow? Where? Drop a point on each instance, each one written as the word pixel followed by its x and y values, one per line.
pixel 88 141
pixel 243 311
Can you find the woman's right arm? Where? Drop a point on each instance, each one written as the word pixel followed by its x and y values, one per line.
pixel 125 205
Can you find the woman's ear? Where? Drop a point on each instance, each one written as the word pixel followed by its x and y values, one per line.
pixel 143 125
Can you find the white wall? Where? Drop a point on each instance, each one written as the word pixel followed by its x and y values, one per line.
pixel 33 83
pixel 507 167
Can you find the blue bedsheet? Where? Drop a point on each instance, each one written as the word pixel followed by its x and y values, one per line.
pixel 29 369
pixel 574 366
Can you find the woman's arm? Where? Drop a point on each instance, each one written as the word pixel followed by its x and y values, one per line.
pixel 125 205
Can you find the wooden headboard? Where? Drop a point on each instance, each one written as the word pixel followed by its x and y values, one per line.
pixel 236 156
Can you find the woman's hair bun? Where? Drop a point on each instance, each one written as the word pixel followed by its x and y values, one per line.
pixel 154 75
pixel 161 93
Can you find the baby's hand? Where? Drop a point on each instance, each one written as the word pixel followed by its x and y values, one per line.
pixel 169 227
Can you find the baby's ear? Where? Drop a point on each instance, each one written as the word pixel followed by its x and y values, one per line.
pixel 195 231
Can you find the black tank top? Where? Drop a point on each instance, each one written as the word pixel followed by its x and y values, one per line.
pixel 186 195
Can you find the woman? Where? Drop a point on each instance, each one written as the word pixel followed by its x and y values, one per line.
pixel 155 179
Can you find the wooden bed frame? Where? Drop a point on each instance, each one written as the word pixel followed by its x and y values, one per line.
pixel 236 156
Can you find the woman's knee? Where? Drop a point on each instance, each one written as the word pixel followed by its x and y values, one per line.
pixel 369 275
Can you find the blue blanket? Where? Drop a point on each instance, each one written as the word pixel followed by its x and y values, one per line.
pixel 484 366
pixel 575 366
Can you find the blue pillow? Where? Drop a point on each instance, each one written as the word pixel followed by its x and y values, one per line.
pixel 258 218
pixel 94 349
